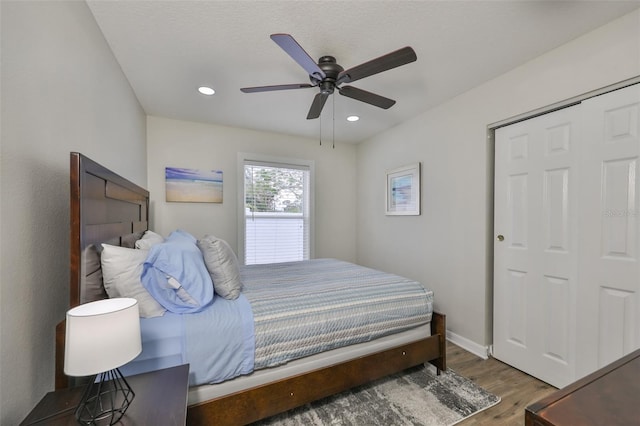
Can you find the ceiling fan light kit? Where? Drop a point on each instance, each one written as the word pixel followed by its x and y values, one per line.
pixel 328 75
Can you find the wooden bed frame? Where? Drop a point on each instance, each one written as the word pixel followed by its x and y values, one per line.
pixel 108 208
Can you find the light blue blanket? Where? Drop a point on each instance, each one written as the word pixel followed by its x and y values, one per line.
pixel 217 343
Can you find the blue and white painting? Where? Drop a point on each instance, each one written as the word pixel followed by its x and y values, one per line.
pixel 193 186
pixel 402 193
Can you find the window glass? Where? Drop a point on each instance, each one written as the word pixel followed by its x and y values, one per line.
pixel 276 212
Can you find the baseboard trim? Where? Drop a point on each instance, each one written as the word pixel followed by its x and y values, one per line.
pixel 468 345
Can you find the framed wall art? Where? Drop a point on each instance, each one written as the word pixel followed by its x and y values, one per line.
pixel 403 191
pixel 193 186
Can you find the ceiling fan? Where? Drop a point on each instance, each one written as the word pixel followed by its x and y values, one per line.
pixel 328 75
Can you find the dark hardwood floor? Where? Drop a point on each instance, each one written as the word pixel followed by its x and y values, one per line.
pixel 516 389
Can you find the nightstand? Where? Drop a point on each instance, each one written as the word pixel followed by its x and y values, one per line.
pixel 161 399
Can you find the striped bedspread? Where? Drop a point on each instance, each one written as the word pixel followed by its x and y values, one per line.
pixel 303 308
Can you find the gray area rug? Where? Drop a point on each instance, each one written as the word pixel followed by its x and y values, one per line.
pixel 414 397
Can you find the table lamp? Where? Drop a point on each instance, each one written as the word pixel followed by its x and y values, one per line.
pixel 102 336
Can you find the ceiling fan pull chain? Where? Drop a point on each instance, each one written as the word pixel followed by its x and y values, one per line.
pixel 320 130
pixel 334 123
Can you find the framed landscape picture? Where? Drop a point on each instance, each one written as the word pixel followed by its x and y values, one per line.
pixel 403 190
pixel 193 186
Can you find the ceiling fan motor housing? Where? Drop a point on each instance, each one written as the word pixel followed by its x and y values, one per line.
pixel 331 70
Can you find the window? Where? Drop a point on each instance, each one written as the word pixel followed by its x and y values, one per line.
pixel 276 209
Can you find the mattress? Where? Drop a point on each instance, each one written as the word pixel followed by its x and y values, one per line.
pixel 287 311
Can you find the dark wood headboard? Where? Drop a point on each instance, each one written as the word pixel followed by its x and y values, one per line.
pixel 104 208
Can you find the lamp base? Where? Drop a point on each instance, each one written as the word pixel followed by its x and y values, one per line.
pixel 105 400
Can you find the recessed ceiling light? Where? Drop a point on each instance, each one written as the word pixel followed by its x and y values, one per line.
pixel 353 118
pixel 206 90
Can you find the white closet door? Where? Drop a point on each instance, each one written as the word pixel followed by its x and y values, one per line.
pixel 535 252
pixel 609 294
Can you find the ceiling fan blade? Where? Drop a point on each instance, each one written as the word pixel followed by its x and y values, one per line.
pixel 291 46
pixel 383 63
pixel 368 97
pixel 274 88
pixel 317 105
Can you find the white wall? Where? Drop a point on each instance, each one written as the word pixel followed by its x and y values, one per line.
pixel 191 145
pixel 62 91
pixel 449 247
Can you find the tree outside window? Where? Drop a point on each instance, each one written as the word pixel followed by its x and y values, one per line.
pixel 273 189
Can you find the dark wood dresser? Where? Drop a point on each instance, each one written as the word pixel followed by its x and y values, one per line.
pixel 609 396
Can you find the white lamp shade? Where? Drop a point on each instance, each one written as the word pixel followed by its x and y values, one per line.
pixel 101 336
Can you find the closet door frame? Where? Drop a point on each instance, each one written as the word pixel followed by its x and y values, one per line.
pixel 490 139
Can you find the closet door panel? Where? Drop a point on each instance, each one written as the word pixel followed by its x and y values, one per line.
pixel 535 248
pixel 609 293
pixel 617 312
pixel 618 206
pixel 558 324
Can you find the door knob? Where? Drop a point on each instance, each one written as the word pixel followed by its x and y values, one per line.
pixel 500 237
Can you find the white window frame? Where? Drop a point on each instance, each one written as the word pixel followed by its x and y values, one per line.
pixel 244 157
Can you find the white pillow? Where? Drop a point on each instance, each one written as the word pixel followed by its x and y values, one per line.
pixel 121 271
pixel 222 265
pixel 148 240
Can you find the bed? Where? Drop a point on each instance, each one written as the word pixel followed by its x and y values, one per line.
pixel 106 208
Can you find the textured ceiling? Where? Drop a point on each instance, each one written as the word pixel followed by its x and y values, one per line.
pixel 169 48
